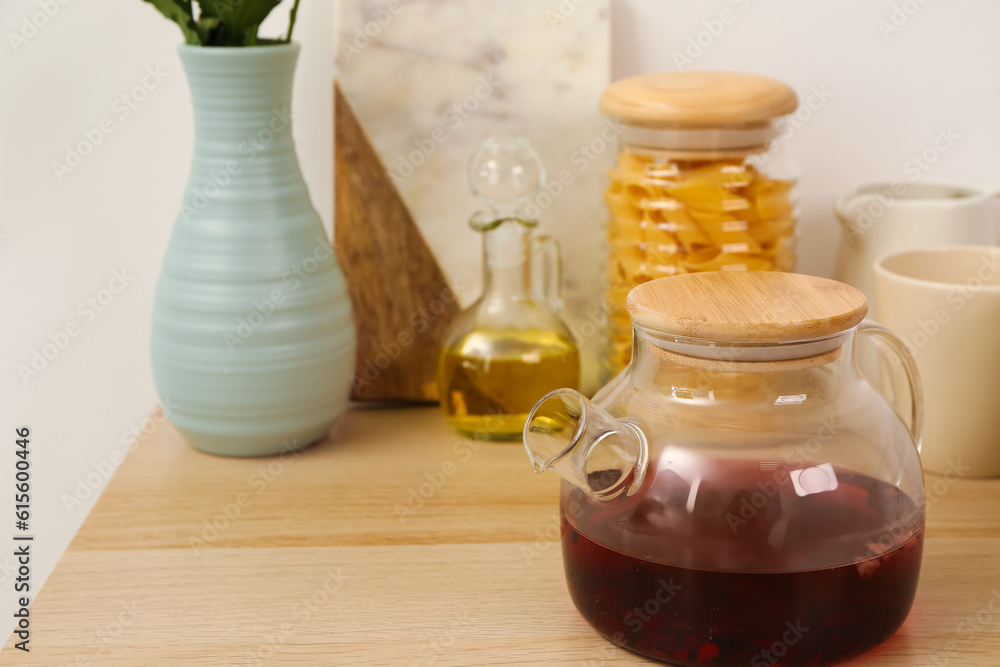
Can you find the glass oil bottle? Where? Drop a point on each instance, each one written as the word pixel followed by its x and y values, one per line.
pixel 509 348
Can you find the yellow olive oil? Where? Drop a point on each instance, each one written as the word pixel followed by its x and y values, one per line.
pixel 490 379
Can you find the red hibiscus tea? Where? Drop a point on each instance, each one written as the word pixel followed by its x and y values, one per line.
pixel 749 573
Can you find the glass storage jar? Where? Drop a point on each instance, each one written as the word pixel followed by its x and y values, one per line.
pixel 700 183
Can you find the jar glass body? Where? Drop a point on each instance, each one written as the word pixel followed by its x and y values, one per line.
pixel 683 200
pixel 780 515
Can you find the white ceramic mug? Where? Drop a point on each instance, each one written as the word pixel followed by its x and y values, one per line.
pixel 945 304
pixel 882 218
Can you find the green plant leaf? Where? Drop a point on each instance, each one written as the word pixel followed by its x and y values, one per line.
pixel 215 9
pixel 179 11
pixel 220 9
pixel 250 37
pixel 206 10
pixel 242 18
pixel 251 13
pixel 208 28
pixel 291 21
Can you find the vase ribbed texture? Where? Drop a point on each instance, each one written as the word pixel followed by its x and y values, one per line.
pixel 252 338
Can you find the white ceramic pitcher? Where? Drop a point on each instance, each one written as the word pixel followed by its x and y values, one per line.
pixel 883 218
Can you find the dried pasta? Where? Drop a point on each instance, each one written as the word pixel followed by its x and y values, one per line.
pixel 683 216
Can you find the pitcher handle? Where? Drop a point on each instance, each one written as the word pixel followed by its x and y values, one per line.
pixel 547 253
pixel 900 366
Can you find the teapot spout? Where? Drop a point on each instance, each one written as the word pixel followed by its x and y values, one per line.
pixel 600 455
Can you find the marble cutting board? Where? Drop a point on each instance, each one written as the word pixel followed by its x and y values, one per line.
pixel 429 79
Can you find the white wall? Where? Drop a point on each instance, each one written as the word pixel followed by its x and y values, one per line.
pixel 60 242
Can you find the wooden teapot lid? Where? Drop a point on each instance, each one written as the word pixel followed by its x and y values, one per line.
pixel 698 99
pixel 747 306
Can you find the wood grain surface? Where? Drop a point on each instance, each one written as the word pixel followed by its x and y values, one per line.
pixel 333 557
pixel 401 299
pixel 698 98
pixel 747 306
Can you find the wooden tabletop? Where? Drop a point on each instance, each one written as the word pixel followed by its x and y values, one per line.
pixel 396 543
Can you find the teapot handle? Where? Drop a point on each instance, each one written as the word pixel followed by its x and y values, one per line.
pixel 901 368
pixel 548 255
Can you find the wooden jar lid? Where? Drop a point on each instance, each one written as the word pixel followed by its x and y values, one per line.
pixel 747 306
pixel 698 99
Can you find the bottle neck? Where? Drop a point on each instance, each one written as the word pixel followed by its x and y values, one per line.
pixel 506 265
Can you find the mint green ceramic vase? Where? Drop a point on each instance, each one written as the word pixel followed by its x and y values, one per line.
pixel 252 339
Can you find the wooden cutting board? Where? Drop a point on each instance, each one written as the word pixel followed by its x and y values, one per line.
pixel 401 299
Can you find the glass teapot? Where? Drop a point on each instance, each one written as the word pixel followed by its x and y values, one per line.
pixel 740 494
